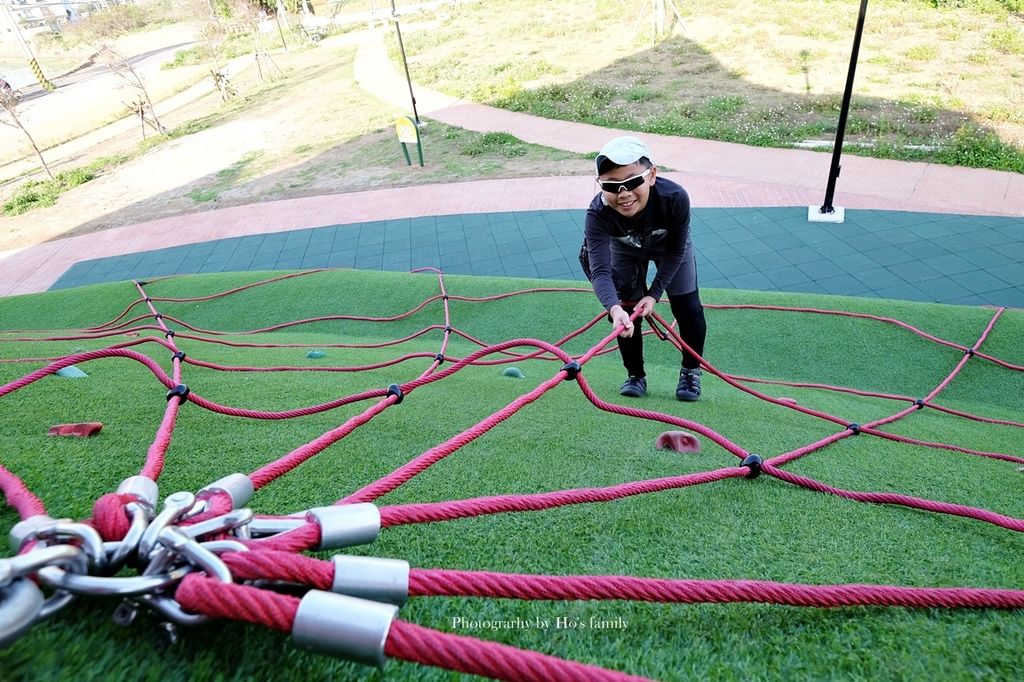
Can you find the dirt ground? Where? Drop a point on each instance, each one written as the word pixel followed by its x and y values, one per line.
pixel 157 183
pixel 308 131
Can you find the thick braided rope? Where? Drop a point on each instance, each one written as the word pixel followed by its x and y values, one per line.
pixel 696 427
pixel 97 335
pixel 839 313
pixel 202 298
pixel 428 512
pixel 808 449
pixel 298 540
pixel 405 640
pixel 1008 522
pixel 162 441
pixel 199 594
pixel 109 516
pixel 18 496
pixel 268 473
pixel 420 464
pixel 678 342
pixel 942 446
pixel 425 582
pixel 53 367
pixel 284 566
pixel 296 368
pixel 162 376
pixel 439 582
pixel 974 417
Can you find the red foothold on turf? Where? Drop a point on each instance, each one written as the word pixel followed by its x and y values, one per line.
pixel 84 430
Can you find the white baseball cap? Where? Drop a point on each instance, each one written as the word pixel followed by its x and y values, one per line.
pixel 622 151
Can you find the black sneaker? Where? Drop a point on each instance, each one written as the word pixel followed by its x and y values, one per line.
pixel 634 387
pixel 688 388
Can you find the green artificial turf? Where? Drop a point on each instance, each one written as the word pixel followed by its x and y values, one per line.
pixel 738 529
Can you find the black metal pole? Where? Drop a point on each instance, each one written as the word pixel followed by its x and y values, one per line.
pixel 401 47
pixel 277 17
pixel 837 150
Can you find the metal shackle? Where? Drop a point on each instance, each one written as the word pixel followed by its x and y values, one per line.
pixel 26 528
pixel 20 603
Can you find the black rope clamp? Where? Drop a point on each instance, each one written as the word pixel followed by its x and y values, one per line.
pixel 855 427
pixel 752 462
pixel 169 333
pixel 142 283
pixel 571 369
pixel 179 355
pixel 919 402
pixel 158 316
pixel 396 390
pixel 970 351
pixel 445 297
pixel 439 357
pixel 149 300
pixel 181 391
pixel 447 329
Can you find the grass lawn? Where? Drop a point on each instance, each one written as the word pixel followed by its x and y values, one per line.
pixel 761 529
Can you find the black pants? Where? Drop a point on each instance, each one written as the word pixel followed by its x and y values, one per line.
pixel 693 328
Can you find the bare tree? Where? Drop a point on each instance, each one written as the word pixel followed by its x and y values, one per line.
pixel 251 16
pixel 120 65
pixel 9 106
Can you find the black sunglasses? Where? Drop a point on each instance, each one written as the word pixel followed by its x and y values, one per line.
pixel 629 184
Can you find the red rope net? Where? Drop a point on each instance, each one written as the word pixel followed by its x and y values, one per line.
pixel 278 558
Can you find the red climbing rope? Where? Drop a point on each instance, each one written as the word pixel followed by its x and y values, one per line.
pixel 275 558
pixel 892 498
pixel 18 496
pixel 438 582
pixel 405 641
pixel 429 512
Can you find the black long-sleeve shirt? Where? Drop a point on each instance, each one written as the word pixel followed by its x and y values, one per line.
pixel 619 248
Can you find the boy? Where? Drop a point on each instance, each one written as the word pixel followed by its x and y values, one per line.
pixel 637 218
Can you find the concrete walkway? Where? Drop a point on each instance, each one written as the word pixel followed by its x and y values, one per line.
pixel 923 232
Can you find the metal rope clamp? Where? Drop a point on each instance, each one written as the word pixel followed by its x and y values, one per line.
pixel 373 578
pixel 342 525
pixel 342 626
pixel 346 525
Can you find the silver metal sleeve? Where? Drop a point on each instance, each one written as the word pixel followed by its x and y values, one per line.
pixel 342 626
pixel 143 488
pixel 385 580
pixel 23 530
pixel 347 524
pixel 237 486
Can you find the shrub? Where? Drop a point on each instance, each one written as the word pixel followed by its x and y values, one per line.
pixel 501 144
pixel 1007 40
pixel 971 146
pixel 42 193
